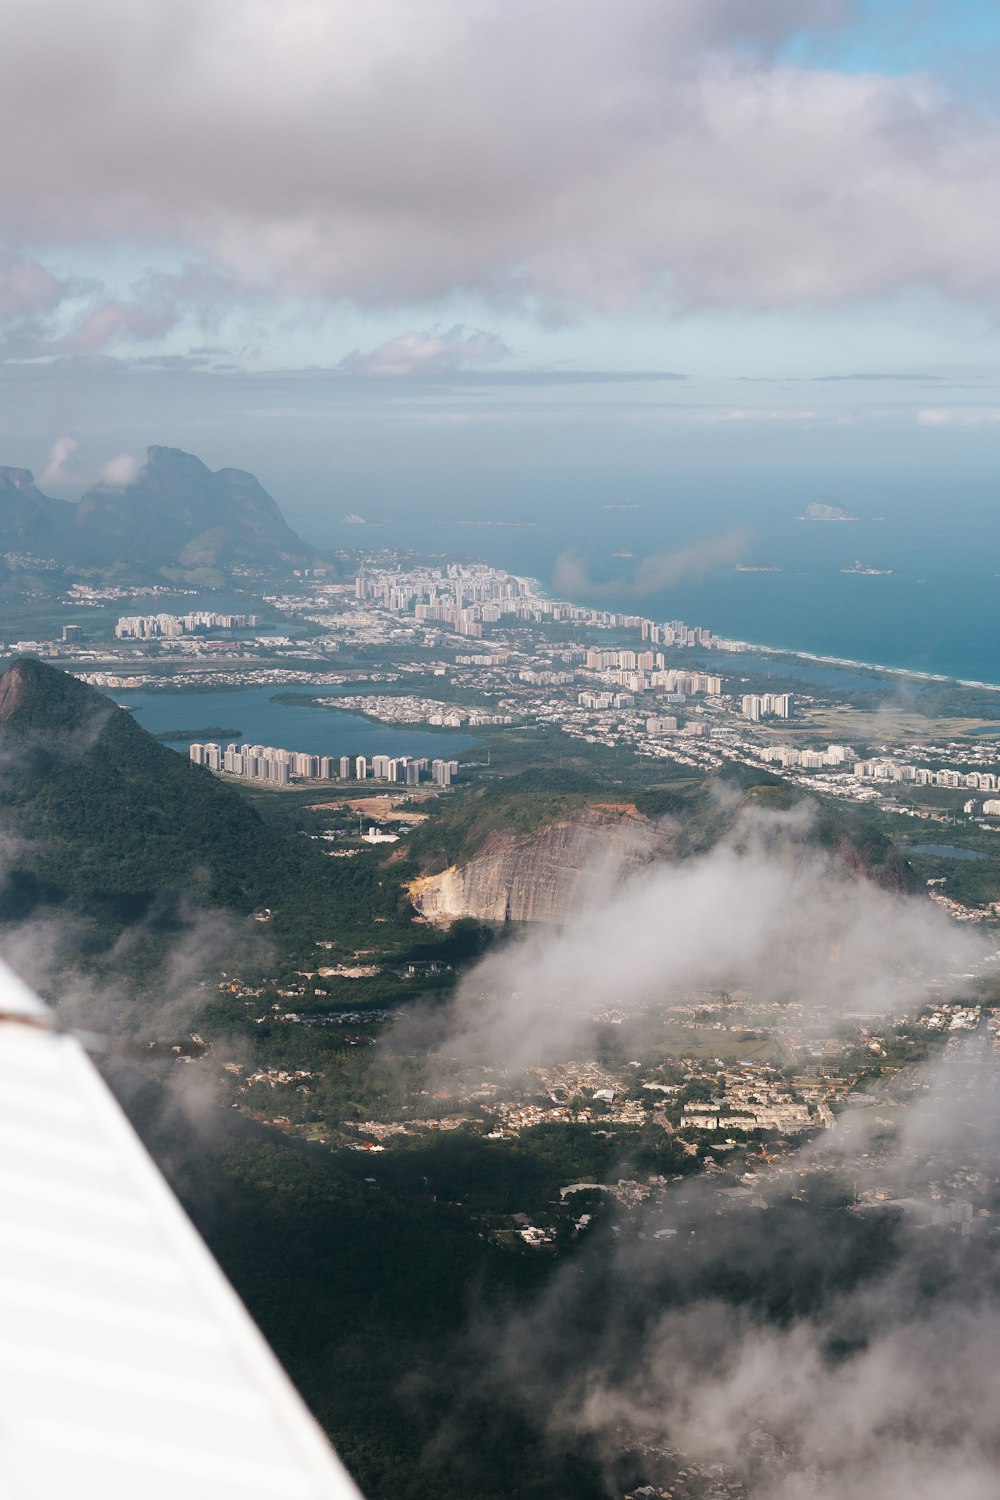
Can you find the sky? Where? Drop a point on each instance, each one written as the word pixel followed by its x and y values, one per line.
pixel 467 249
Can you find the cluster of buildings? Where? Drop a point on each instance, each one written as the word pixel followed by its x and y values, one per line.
pixel 891 770
pixel 863 779
pixel 462 598
pixel 645 671
pixel 789 756
pixel 271 764
pixel 616 695
pixel 757 706
pixel 465 597
pixel 170 627
pixel 675 633
pixel 757 1113
pixel 405 708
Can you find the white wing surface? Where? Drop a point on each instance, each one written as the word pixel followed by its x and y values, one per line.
pixel 129 1368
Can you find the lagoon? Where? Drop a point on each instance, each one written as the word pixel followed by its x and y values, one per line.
pixel 292 726
pixel 947 851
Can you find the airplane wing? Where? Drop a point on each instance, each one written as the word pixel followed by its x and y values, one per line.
pixel 129 1368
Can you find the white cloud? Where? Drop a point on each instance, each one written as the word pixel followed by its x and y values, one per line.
pixel 27 288
pixel 554 161
pixel 428 353
pixel 119 471
pixel 764 909
pixel 60 454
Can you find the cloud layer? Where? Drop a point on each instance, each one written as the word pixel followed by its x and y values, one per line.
pixel 550 158
pixel 766 909
pixel 427 353
pixel 787 1345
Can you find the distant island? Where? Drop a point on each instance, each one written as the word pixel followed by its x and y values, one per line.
pixel 822 510
pixel 858 567
pixel 496 523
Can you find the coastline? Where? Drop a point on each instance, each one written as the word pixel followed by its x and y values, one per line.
pixel 851 663
pixel 847 662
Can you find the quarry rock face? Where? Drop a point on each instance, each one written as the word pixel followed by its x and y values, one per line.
pixel 544 876
pixel 11 690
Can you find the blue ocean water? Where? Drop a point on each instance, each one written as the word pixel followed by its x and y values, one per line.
pixel 292 726
pixel 936 612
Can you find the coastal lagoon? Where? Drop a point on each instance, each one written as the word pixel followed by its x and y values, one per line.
pixel 292 726
pixel 946 851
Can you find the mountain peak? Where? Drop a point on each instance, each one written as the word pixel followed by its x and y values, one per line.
pixel 177 512
pixel 39 696
pixel 16 479
pixel 174 514
pixel 105 817
pixel 174 460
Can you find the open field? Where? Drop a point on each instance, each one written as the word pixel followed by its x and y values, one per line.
pixel 885 726
pixel 696 1041
pixel 380 806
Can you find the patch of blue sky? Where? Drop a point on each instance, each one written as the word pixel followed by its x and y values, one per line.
pixel 893 37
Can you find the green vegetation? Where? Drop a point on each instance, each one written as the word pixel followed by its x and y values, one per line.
pixel 110 818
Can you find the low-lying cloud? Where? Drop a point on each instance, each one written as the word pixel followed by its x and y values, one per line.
pixel 660 570
pixel 120 471
pixel 766 910
pixel 770 1336
pixel 60 454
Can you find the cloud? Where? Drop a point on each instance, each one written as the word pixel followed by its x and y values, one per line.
pixel 766 909
pixel 61 452
pixel 120 471
pixel 795 1348
pixel 46 316
pixel 31 296
pixel 28 288
pixel 646 155
pixel 959 416
pixel 660 570
pixel 427 353
pixel 791 1346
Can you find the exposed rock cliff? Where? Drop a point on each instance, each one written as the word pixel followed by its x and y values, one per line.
pixel 543 876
